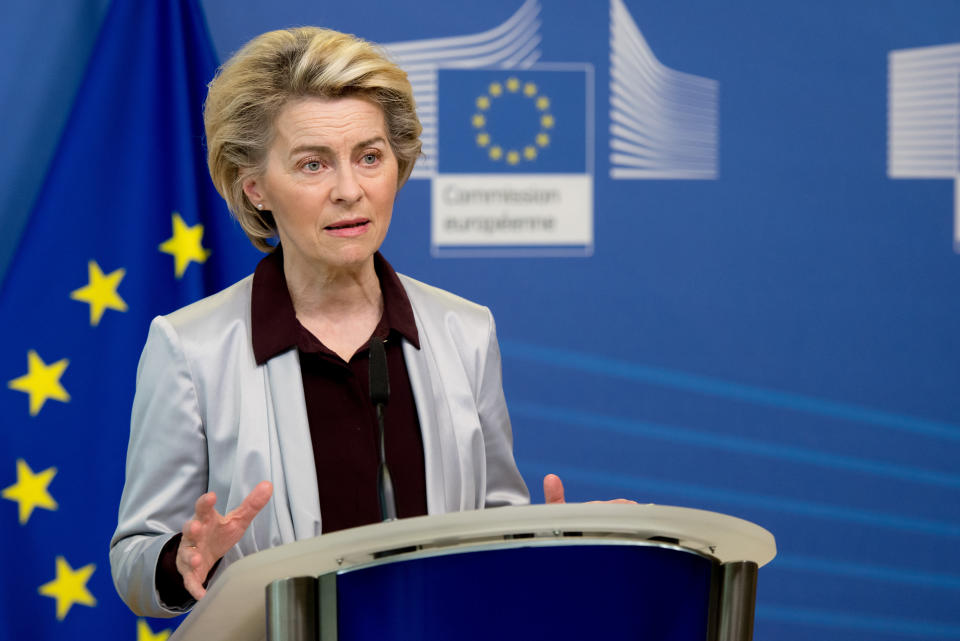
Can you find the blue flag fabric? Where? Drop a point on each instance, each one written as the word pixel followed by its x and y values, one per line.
pixel 127 226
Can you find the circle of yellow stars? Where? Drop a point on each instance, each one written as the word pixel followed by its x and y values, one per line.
pixel 69 585
pixel 512 155
pixel 42 382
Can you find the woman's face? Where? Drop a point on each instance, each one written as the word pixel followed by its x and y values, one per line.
pixel 330 181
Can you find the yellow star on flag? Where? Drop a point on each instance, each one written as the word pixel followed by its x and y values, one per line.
pixel 101 292
pixel 144 633
pixel 184 245
pixel 69 587
pixel 30 490
pixel 41 382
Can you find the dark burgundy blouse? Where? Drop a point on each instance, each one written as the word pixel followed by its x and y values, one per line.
pixel 343 425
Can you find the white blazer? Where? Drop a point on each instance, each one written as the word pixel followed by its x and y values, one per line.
pixel 206 417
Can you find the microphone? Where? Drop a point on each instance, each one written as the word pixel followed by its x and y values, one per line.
pixel 379 395
pixel 379 379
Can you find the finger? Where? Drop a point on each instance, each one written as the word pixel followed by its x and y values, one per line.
pixel 254 502
pixel 189 563
pixel 191 533
pixel 552 489
pixel 188 555
pixel 193 585
pixel 204 507
pixel 183 562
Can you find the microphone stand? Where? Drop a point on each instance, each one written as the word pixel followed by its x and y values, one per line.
pixel 379 395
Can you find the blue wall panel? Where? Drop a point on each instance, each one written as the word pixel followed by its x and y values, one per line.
pixel 778 343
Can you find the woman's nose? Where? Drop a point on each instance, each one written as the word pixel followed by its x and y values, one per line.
pixel 347 189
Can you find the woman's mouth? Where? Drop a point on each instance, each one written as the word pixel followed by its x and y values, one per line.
pixel 348 228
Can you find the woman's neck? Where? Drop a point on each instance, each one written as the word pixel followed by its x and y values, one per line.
pixel 341 307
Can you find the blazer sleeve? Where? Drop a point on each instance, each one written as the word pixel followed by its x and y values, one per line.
pixel 504 484
pixel 166 469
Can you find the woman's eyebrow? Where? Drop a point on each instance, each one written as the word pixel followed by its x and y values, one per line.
pixel 369 143
pixel 324 149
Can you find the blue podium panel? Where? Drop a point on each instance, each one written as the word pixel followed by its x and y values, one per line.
pixel 556 592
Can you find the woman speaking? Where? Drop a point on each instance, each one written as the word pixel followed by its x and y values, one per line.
pixel 252 424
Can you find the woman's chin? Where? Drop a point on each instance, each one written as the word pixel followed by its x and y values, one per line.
pixel 346 258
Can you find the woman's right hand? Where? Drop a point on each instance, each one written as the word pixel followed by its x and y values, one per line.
pixel 208 535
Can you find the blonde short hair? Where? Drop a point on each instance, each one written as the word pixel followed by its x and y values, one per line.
pixel 252 87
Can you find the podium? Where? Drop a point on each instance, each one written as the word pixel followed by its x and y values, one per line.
pixel 574 571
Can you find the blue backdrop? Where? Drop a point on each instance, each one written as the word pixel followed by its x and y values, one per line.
pixel 764 322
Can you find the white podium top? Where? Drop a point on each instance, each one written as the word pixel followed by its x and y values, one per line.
pixel 234 606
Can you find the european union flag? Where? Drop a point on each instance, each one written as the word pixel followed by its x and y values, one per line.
pixel 514 121
pixel 127 226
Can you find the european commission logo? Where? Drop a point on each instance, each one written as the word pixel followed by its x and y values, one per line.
pixel 515 161
pixel 509 142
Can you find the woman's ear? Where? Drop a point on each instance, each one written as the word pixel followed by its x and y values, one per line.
pixel 251 187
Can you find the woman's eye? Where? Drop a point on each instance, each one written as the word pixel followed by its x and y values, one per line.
pixel 370 159
pixel 313 165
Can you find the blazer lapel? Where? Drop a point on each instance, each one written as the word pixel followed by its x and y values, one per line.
pixel 295 482
pixel 441 460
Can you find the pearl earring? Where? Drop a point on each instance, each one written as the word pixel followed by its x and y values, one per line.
pixel 259 205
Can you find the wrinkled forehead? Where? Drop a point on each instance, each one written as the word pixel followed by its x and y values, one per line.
pixel 335 123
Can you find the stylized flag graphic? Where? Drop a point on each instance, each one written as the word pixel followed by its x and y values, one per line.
pixel 511 121
pixel 513 44
pixel 127 226
pixel 663 122
pixel 923 125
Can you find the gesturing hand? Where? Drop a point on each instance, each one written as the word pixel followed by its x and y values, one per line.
pixel 553 491
pixel 208 535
